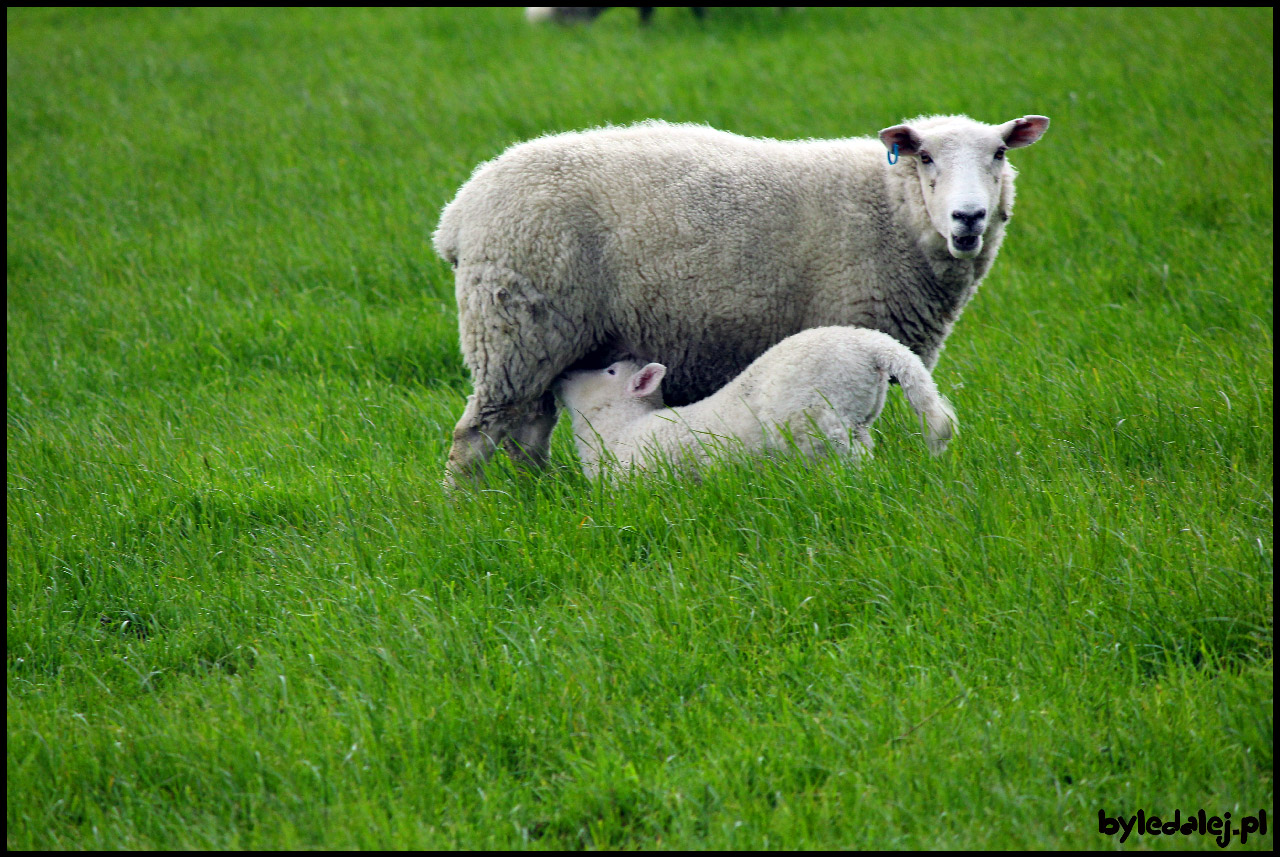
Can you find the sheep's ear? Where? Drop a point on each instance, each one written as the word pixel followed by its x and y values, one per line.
pixel 1023 132
pixel 908 141
pixel 645 382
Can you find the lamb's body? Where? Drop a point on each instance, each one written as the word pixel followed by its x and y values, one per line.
pixel 695 248
pixel 815 392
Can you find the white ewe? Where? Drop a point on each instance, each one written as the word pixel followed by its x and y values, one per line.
pixel 700 249
pixel 816 391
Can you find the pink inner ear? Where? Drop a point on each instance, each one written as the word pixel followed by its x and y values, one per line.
pixel 645 382
pixel 1026 131
pixel 901 135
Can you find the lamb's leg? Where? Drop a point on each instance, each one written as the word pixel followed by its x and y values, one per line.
pixel 863 444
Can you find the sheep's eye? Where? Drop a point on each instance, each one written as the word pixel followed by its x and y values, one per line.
pixel 611 371
pixel 925 159
pixel 1000 153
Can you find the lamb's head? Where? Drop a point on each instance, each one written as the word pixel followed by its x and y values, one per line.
pixel 964 177
pixel 624 387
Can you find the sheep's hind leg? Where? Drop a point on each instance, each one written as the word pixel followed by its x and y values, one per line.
pixel 515 344
pixel 524 431
pixel 529 443
pixel 474 440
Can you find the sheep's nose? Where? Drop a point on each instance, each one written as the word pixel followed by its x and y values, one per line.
pixel 971 219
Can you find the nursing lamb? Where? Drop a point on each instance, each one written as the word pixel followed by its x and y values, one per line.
pixel 700 249
pixel 817 391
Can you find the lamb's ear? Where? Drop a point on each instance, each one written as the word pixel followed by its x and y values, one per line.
pixel 908 141
pixel 1023 132
pixel 645 382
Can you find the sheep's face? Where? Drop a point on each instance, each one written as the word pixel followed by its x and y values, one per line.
pixel 962 171
pixel 592 391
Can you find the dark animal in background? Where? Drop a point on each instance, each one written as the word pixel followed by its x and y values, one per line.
pixel 587 14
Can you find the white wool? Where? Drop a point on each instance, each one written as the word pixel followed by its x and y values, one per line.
pixel 817 391
pixel 700 249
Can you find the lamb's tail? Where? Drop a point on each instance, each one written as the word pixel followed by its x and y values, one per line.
pixel 935 411
pixel 445 237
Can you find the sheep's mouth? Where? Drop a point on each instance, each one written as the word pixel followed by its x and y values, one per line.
pixel 966 243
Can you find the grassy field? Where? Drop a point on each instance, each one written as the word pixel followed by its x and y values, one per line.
pixel 241 613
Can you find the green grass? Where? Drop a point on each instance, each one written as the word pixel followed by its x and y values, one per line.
pixel 242 614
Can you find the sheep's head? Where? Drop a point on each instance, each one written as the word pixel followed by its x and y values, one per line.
pixel 627 382
pixel 962 171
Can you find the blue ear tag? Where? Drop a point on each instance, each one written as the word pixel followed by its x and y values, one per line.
pixel 893 156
